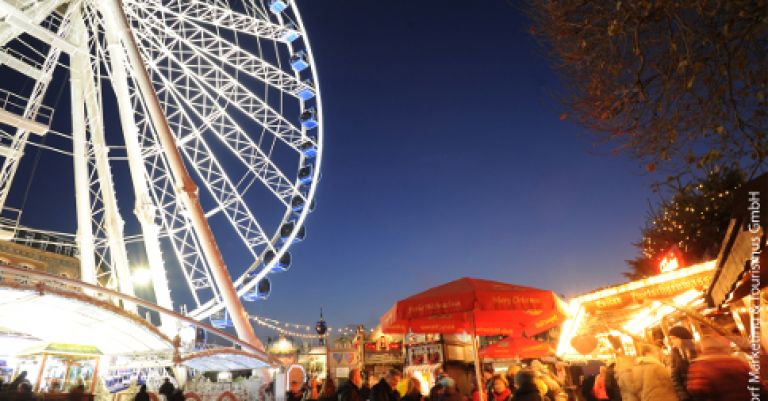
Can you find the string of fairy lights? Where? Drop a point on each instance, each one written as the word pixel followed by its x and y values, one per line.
pixel 294 329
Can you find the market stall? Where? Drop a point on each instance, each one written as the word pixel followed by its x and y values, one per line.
pixel 476 307
pixel 623 316
pixel 315 361
pixel 382 352
pixel 343 356
pixel 424 358
pixel 57 367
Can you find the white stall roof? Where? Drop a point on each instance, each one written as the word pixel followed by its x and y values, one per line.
pixel 78 319
pixel 224 359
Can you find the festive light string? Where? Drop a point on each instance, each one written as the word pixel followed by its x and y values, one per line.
pixel 285 328
pixel 284 331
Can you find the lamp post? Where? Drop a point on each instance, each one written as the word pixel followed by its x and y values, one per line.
pixel 321 328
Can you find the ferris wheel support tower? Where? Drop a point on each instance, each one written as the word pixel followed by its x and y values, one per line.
pixel 85 237
pixel 145 208
pixel 114 223
pixel 186 189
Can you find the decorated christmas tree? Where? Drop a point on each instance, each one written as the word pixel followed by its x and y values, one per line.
pixel 693 219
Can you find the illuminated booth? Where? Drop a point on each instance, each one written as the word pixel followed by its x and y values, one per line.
pixel 626 315
pixel 424 357
pixel 382 352
pixel 315 361
pixel 56 367
pixel 715 298
pixel 343 356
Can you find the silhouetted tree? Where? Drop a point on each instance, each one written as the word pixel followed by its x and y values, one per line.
pixel 680 84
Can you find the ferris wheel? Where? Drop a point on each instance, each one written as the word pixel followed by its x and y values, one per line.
pixel 208 110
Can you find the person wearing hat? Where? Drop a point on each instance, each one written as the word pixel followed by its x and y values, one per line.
pixel 682 353
pixel 450 393
pixel 437 389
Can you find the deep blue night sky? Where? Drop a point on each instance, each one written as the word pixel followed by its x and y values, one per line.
pixel 445 157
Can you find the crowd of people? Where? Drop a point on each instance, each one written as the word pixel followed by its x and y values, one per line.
pixel 707 372
pixel 713 373
pixel 21 389
pixel 535 382
pixel 525 384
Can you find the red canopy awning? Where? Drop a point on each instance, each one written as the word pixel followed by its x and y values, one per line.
pixel 517 347
pixel 496 308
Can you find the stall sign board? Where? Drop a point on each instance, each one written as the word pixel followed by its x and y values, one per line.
pixel 383 358
pixel 459 353
pixel 342 372
pixel 658 291
pixel 425 354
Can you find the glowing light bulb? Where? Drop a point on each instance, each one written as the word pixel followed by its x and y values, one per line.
pixel 141 276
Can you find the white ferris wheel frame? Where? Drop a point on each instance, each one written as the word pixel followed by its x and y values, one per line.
pixel 142 114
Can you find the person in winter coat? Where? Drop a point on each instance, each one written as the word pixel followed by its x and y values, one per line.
pixel 587 388
pixel 142 395
pixel 437 390
pixel 682 353
pixel 77 393
pixel 526 388
pixel 545 381
pixel 624 366
pixel 650 380
pixel 413 392
pixel 177 395
pixel 14 384
pixel 328 390
pixel 312 392
pixel 501 391
pixel 475 391
pixel 719 376
pixel 488 374
pixel 25 392
pixel 599 387
pixel 267 392
pixel 166 388
pixel 612 383
pixel 563 377
pixel 511 372
pixel 351 389
pixel 384 390
pixel 296 391
pixel 450 392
